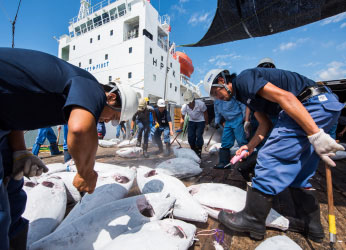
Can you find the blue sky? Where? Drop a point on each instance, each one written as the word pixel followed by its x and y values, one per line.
pixel 317 50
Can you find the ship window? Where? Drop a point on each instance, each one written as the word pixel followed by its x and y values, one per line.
pixel 72 34
pixel 161 58
pixel 83 28
pixel 131 28
pixel 111 33
pixel 109 78
pixel 113 13
pixel 129 75
pixel 170 85
pixel 175 88
pixel 151 50
pixel 170 65
pixel 90 25
pixel 154 77
pixel 97 21
pixel 130 50
pixel 74 47
pixel 147 34
pixel 182 94
pixel 77 31
pixel 80 64
pixel 106 56
pixel 90 61
pixel 105 17
pixel 91 40
pixel 98 37
pixel 65 53
pixel 122 9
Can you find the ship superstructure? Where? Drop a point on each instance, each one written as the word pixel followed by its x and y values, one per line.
pixel 127 42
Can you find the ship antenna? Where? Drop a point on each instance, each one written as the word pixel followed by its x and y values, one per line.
pixel 13 23
pixel 84 9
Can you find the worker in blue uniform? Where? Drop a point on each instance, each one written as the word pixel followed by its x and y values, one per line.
pixel 70 95
pixel 291 154
pixel 43 134
pixel 233 113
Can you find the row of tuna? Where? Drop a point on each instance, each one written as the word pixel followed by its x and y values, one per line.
pixel 108 220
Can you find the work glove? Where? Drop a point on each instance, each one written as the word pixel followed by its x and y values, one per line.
pixel 179 130
pixel 27 164
pixel 325 146
pixel 86 183
pixel 215 125
pixel 247 127
pixel 206 127
pixel 132 132
pixel 157 125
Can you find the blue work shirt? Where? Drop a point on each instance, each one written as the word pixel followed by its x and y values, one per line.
pixel 163 118
pixel 246 85
pixel 39 90
pixel 227 109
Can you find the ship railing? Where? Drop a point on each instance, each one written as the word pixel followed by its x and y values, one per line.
pixel 164 19
pixel 131 34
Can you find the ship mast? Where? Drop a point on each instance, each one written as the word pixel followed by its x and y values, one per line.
pixel 84 9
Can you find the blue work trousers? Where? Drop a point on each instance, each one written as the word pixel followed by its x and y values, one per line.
pixel 233 130
pixel 157 135
pixel 195 134
pixel 143 130
pixel 65 137
pixel 122 129
pixel 12 197
pixel 101 128
pixel 288 159
pixel 44 133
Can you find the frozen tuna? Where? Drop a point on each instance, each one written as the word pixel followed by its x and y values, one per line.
pixel 73 195
pixel 214 148
pixel 186 208
pixel 109 188
pixel 97 228
pixel 280 242
pixel 216 197
pixel 186 153
pixel 130 152
pixel 107 144
pixel 127 143
pixel 165 234
pixel 45 208
pixel 179 167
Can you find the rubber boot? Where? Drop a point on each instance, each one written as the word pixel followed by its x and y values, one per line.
pixel 138 144
pixel 54 149
pixel 145 151
pixel 18 242
pixel 159 144
pixel 252 218
pixel 224 158
pixel 36 149
pixel 307 220
pixel 168 149
pixel 67 156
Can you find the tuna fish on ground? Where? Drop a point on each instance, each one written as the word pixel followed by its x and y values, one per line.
pixel 129 152
pixel 168 234
pixel 45 208
pixel 73 195
pixel 185 208
pixel 214 148
pixel 107 143
pixel 280 242
pixel 186 153
pixel 100 226
pixel 216 197
pixel 127 143
pixel 179 167
pixel 109 188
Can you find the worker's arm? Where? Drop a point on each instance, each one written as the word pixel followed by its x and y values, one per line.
pixel 82 145
pixel 247 114
pixel 291 105
pixel 132 124
pixel 170 128
pixel 16 140
pixel 206 118
pixel 182 118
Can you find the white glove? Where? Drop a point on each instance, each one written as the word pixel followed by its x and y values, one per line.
pixel 206 127
pixel 27 164
pixel 247 126
pixel 325 146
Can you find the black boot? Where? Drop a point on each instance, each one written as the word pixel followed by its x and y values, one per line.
pixel 199 152
pixel 224 158
pixel 54 149
pixel 159 144
pixel 18 242
pixel 168 149
pixel 145 151
pixel 139 142
pixel 307 210
pixel 252 218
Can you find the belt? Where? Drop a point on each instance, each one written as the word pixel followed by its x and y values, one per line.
pixel 309 92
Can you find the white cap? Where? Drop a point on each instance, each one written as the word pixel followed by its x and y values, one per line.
pixel 266 60
pixel 161 103
pixel 188 97
pixel 142 104
pixel 210 77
